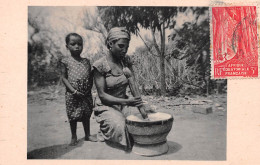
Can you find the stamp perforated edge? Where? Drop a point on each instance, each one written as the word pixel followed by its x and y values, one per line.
pixel 226 4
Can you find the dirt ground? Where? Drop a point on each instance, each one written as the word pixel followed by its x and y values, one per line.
pixel 194 136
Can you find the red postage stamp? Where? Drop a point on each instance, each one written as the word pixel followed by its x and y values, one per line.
pixel 234 42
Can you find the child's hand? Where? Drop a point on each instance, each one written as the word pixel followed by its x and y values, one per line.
pixel 79 94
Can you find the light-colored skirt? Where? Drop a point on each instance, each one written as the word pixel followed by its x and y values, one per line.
pixel 112 124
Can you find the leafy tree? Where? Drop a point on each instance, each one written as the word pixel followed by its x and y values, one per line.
pixel 47 28
pixel 191 46
pixel 156 19
pixel 43 54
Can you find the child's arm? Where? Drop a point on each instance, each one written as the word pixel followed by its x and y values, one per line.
pixel 64 78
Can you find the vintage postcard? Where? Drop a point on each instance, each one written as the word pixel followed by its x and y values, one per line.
pixel 121 82
pixel 169 52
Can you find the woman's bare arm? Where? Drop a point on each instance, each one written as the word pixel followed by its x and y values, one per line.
pixel 109 99
pixel 90 78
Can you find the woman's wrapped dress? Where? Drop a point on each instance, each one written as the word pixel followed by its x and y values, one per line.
pixel 112 117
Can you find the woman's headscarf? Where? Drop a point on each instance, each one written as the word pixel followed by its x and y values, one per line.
pixel 117 33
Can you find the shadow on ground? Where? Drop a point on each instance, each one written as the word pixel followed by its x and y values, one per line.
pixel 115 145
pixel 173 147
pixel 53 152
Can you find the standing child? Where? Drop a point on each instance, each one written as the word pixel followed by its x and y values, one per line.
pixel 77 77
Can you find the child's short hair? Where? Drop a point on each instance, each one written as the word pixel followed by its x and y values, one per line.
pixel 67 39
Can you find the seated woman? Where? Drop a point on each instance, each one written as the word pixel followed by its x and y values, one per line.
pixel 111 84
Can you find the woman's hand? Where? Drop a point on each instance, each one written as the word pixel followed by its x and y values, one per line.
pixel 134 101
pixel 150 108
pixel 127 72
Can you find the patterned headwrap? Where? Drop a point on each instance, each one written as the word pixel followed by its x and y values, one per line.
pixel 117 33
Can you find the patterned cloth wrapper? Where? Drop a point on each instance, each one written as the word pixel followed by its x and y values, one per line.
pixel 81 79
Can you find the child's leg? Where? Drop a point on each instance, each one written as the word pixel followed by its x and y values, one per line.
pixel 73 128
pixel 86 125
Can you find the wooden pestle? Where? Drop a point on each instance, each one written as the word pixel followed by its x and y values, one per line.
pixel 136 93
pixel 134 90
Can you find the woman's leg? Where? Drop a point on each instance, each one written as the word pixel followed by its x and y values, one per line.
pixel 73 128
pixel 112 124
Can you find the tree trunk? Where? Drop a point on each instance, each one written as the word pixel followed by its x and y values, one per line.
pixel 162 62
pixel 162 57
pixel 162 68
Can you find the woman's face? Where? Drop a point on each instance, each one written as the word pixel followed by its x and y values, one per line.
pixel 119 48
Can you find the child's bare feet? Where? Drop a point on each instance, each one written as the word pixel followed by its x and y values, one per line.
pixel 73 141
pixel 92 138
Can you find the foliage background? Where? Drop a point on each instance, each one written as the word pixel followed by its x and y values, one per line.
pixel 169 46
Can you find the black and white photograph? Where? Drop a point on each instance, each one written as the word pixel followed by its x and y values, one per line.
pixel 123 83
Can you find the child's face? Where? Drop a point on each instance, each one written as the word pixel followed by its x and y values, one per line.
pixel 75 45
